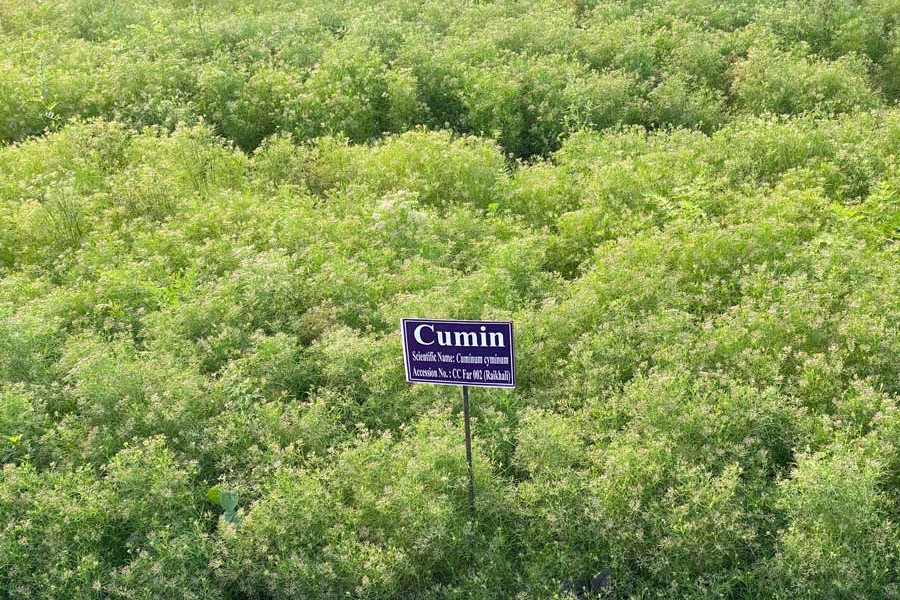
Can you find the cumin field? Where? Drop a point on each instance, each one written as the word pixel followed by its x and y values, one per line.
pixel 214 214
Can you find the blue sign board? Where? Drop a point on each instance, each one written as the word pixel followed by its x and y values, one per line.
pixel 459 352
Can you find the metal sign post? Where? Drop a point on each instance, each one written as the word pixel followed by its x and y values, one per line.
pixel 465 390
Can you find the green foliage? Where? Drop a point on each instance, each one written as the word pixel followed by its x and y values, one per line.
pixel 55 528
pixel 228 501
pixel 838 541
pixel 388 519
pixel 213 215
pixel 788 82
pixel 22 420
pixel 523 75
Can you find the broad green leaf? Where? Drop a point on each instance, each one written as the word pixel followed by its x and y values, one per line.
pixel 228 501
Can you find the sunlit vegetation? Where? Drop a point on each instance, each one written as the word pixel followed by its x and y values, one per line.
pixel 214 214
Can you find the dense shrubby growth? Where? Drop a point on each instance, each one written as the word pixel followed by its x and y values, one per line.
pixel 525 74
pixel 214 216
